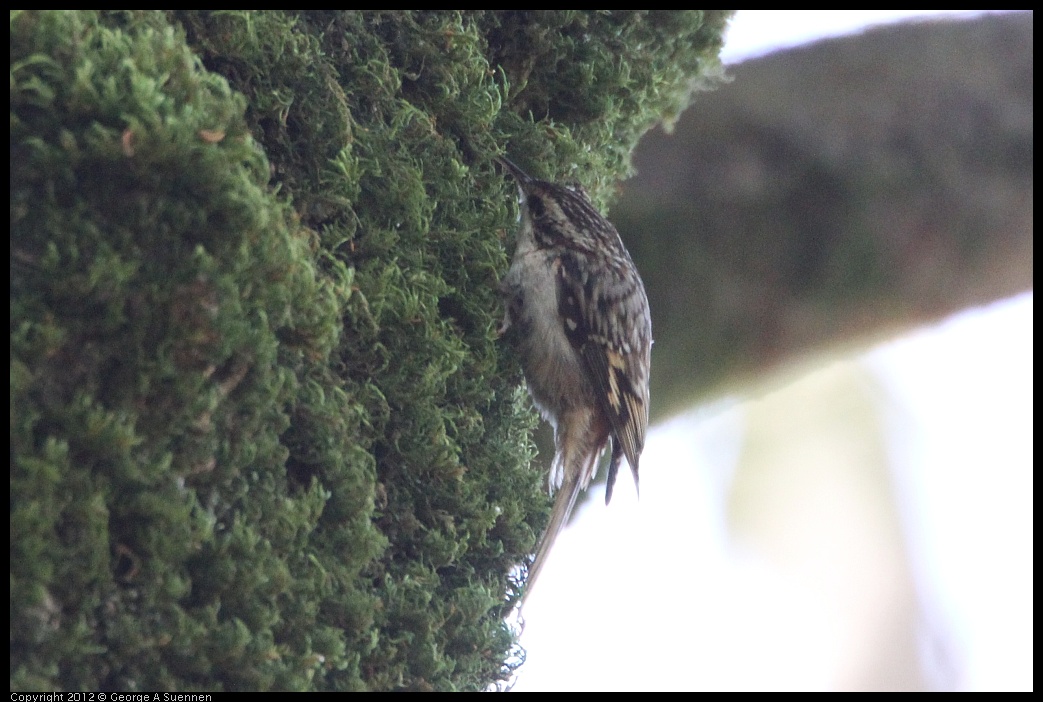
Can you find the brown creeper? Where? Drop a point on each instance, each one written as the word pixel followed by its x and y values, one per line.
pixel 581 325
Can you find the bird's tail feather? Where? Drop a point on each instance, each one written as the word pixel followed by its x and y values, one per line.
pixel 563 504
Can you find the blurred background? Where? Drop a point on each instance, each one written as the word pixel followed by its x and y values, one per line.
pixel 857 518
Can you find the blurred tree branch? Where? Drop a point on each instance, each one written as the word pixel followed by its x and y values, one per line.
pixel 835 194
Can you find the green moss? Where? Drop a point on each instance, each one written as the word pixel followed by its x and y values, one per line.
pixel 263 434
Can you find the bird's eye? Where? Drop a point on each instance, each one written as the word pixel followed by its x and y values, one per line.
pixel 536 206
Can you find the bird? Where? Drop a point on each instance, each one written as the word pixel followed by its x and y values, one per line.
pixel 577 314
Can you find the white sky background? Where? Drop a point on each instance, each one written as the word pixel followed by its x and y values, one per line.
pixel 661 594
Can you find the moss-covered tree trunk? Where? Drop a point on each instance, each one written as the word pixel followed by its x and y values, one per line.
pixel 262 433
